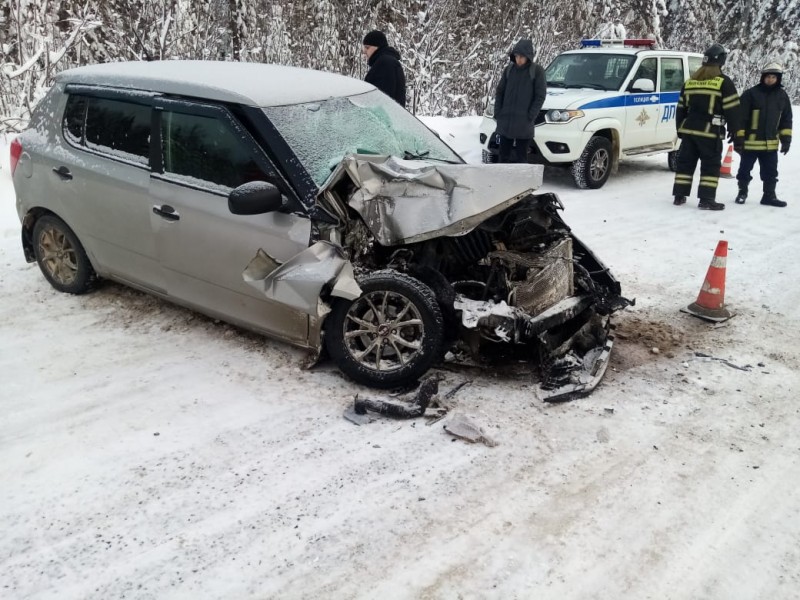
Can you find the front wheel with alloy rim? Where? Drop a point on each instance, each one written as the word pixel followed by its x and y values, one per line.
pixel 61 257
pixel 390 335
pixel 593 167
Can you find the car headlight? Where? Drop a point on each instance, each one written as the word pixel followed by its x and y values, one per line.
pixel 562 116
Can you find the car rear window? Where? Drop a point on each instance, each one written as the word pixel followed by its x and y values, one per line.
pixel 115 127
pixel 75 118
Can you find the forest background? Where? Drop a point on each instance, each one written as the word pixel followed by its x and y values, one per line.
pixel 452 50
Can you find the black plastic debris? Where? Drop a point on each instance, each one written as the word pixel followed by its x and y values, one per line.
pixel 427 389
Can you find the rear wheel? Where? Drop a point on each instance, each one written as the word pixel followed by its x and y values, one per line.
pixel 389 336
pixel 61 257
pixel 593 167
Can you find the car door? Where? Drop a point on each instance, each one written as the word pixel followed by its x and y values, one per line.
pixel 204 248
pixel 106 165
pixel 672 76
pixel 642 109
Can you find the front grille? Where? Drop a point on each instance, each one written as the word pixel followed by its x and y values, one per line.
pixel 471 247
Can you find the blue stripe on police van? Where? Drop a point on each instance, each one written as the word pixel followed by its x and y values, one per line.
pixel 634 100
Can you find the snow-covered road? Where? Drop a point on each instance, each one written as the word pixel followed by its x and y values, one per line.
pixel 150 452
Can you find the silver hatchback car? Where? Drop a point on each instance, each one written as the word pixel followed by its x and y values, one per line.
pixel 312 208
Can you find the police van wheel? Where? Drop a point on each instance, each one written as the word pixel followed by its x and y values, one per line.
pixel 672 160
pixel 593 167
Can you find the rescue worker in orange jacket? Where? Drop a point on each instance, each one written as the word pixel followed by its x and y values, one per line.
pixel 708 101
pixel 767 125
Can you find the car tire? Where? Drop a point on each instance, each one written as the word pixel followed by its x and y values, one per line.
pixel 61 256
pixel 672 160
pixel 363 339
pixel 593 167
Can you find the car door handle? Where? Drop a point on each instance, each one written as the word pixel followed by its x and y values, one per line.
pixel 167 212
pixel 63 172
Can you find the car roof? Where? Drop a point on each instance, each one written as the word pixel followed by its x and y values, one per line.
pixel 630 50
pixel 248 83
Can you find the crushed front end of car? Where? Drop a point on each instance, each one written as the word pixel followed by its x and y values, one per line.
pixel 503 266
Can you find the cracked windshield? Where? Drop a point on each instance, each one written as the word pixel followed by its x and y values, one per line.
pixel 322 133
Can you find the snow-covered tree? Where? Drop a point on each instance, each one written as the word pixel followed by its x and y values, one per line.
pixel 453 50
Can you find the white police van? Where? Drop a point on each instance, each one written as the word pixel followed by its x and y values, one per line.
pixel 608 100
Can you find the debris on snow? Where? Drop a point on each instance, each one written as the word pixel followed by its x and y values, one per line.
pixel 462 427
pixel 428 389
pixel 708 357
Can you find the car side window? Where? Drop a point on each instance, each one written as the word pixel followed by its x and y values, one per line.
pixel 671 74
pixel 119 128
pixel 207 149
pixel 647 70
pixel 695 62
pixel 114 127
pixel 75 118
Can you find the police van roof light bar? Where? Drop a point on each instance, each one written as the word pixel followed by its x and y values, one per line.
pixel 632 43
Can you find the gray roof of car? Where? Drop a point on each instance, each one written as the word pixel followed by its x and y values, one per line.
pixel 253 84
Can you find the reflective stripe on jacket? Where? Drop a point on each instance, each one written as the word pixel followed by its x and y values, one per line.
pixel 705 105
pixel 767 118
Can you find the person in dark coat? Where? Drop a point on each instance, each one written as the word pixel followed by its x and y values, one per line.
pixel 520 96
pixel 767 125
pixel 707 103
pixel 385 71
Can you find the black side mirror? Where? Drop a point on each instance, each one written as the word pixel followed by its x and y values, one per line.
pixel 255 198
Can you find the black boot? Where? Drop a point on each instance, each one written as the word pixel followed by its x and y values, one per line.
pixel 706 204
pixel 679 200
pixel 742 195
pixel 772 200
pixel 769 198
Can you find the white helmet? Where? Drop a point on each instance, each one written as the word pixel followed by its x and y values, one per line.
pixel 772 68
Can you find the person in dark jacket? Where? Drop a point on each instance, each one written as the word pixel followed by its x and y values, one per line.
pixel 708 101
pixel 385 71
pixel 520 95
pixel 767 125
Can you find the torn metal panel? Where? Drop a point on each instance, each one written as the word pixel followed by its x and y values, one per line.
pixel 299 281
pixel 404 201
pixel 346 286
pixel 571 377
pixel 501 322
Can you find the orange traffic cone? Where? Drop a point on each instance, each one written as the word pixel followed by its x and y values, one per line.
pixel 710 303
pixel 727 164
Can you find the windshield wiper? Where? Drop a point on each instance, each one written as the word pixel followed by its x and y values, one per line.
pixel 407 155
pixel 556 84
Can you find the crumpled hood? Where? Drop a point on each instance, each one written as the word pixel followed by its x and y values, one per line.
pixel 405 201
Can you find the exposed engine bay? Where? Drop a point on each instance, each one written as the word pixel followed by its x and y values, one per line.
pixel 518 277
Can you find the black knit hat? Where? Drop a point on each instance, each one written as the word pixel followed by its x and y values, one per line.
pixel 375 38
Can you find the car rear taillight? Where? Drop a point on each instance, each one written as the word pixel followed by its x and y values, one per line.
pixel 16 152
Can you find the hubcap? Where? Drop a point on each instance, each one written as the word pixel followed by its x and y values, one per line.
pixel 599 165
pixel 58 256
pixel 383 330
